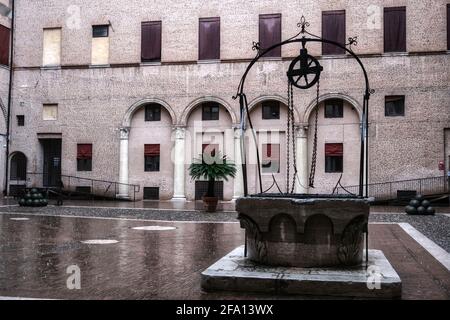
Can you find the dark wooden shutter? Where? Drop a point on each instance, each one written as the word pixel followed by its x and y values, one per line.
pixel 4 45
pixel 209 39
pixel 395 29
pixel 270 33
pixel 448 26
pixel 151 150
pixel 333 29
pixel 334 149
pixel 84 151
pixel 151 41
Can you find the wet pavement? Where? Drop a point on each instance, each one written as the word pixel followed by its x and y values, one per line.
pixel 36 250
pixel 223 206
pixel 35 253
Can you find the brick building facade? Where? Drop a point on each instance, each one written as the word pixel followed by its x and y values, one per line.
pixel 132 92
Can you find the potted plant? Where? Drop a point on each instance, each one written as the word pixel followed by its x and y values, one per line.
pixel 212 168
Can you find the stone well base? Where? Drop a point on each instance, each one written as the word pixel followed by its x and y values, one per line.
pixel 234 272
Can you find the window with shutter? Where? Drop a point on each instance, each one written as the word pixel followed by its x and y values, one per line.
pixel 84 157
pixel 210 111
pixel 20 120
pixel 395 29
pixel 270 33
pixel 51 54
pixel 209 39
pixel 334 157
pixel 151 193
pixel 394 106
pixel 333 29
pixel 4 45
pixel 100 45
pixel 153 112
pixel 271 110
pixel 334 108
pixel 50 112
pixel 151 41
pixel 151 157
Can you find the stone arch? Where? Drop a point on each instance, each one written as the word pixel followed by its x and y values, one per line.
pixel 318 229
pixel 332 95
pixel 18 166
pixel 283 228
pixel 126 121
pixel 278 98
pixel 187 111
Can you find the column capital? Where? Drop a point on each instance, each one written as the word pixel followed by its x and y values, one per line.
pixel 301 131
pixel 124 133
pixel 180 132
pixel 237 133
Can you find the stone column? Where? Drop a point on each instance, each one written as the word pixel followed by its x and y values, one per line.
pixel 239 179
pixel 179 164
pixel 301 140
pixel 123 163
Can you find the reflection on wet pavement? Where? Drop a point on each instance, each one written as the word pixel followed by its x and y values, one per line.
pixel 161 263
pixel 35 254
pixel 149 204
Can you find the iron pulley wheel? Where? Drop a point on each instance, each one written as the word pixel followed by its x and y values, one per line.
pixel 304 71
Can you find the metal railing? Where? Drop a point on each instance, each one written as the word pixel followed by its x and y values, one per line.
pixel 388 190
pixel 77 186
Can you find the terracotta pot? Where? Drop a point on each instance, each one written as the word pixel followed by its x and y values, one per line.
pixel 210 203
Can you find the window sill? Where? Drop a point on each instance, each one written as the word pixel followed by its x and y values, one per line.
pixel 98 66
pixel 3 66
pixel 51 67
pixel 271 59
pixel 394 54
pixel 212 61
pixel 335 56
pixel 150 63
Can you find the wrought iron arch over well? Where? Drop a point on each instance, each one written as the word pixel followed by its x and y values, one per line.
pixel 303 73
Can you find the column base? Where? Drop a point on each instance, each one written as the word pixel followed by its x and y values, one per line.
pixel 178 198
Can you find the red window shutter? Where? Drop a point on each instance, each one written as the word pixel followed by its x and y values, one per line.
pixel 84 151
pixel 395 29
pixel 270 33
pixel 151 150
pixel 333 29
pixel 151 41
pixel 4 45
pixel 334 149
pixel 209 39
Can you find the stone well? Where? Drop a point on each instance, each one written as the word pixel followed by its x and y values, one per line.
pixel 304 230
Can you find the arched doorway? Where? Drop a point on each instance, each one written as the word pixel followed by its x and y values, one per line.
pixel 269 117
pixel 149 137
pixel 18 173
pixel 338 143
pixel 208 129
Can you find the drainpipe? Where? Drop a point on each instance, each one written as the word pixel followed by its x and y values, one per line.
pixel 8 116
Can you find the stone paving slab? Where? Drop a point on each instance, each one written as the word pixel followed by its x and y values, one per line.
pixel 234 272
pixel 35 254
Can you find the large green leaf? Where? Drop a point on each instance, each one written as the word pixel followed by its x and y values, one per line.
pixel 213 168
